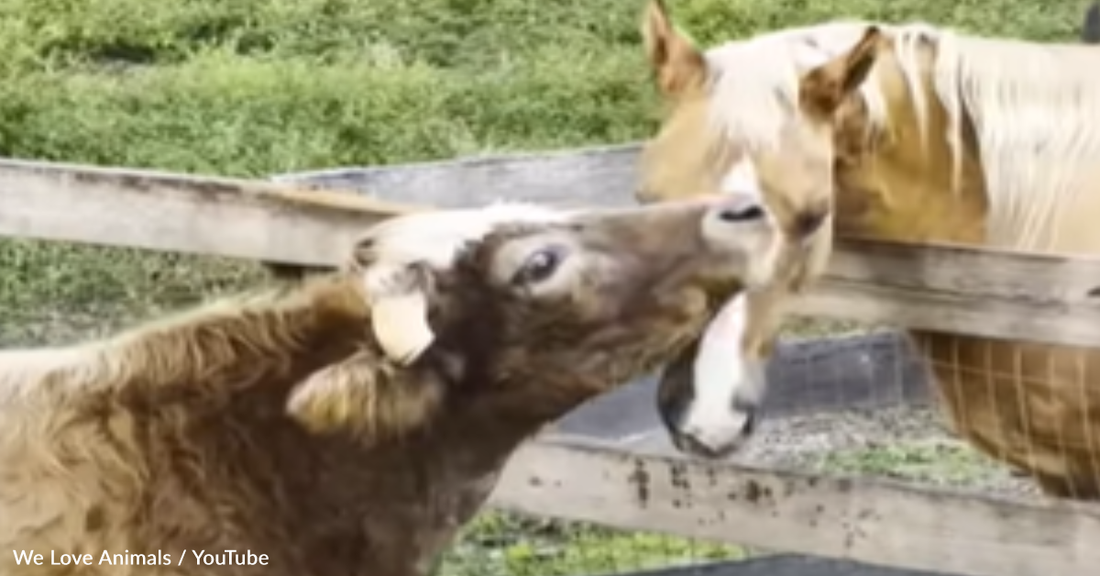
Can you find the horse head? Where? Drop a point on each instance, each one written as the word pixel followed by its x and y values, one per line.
pixel 756 118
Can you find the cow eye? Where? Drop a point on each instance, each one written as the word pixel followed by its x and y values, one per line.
pixel 539 266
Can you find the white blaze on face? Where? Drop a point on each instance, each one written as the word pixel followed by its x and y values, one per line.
pixel 742 179
pixel 721 373
pixel 723 377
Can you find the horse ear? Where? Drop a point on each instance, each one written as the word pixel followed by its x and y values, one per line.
pixel 398 296
pixel 677 64
pixel 824 88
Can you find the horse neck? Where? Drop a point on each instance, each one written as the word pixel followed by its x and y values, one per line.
pixel 908 184
pixel 1036 134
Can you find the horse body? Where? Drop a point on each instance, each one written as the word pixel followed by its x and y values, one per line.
pixel 351 424
pixel 1021 177
pixel 935 137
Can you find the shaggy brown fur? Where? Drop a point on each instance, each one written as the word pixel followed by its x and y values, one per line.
pixel 278 425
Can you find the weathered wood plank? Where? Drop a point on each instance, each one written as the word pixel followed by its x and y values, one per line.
pixel 783 565
pixel 596 176
pixel 873 521
pixel 998 294
pixel 181 213
pixel 1043 298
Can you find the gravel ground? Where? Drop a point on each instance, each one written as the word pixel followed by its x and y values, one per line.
pixel 900 443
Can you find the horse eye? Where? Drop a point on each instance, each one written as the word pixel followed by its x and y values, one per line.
pixel 539 266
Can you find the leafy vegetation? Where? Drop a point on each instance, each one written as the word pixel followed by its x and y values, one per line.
pixel 497 544
pixel 255 87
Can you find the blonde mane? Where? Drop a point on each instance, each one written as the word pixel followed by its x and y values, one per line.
pixel 1034 161
pixel 754 111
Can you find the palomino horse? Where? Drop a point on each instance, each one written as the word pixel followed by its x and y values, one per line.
pixel 929 136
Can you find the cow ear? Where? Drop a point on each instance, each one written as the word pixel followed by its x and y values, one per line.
pixel 366 397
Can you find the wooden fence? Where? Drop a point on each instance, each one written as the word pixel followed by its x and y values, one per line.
pixel 950 288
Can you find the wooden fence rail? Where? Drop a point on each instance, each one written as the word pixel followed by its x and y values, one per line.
pixel 950 288
pixel 870 520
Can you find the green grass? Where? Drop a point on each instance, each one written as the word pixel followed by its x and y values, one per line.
pixel 254 87
pixel 940 463
pixel 498 544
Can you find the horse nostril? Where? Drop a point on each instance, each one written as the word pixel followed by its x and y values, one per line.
pixel 742 214
pixel 750 423
pixel 749 409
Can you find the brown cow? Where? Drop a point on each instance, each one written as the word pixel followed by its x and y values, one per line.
pixel 349 425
